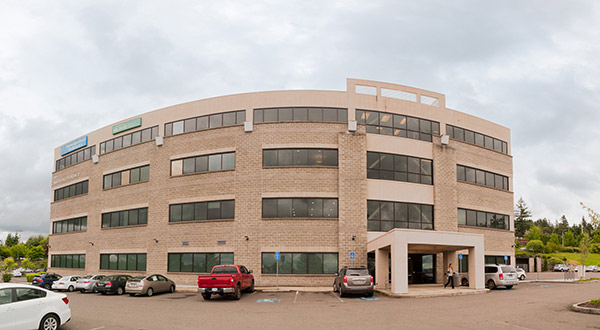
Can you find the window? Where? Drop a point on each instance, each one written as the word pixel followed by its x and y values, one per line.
pixel 132 261
pixel 300 263
pixel 70 225
pixel 125 218
pixel 475 138
pixel 385 215
pixel 198 262
pixel 6 296
pixel 300 157
pixel 496 260
pixel 28 294
pixel 75 157
pixel 481 177
pixel 312 114
pixel 76 189
pixel 398 125
pixel 202 211
pixel 483 219
pixel 201 123
pixel 399 168
pixel 300 208
pixel 121 178
pixel 204 163
pixel 68 260
pixel 141 136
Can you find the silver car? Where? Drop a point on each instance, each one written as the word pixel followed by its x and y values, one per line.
pixel 149 285
pixel 353 280
pixel 88 283
pixel 500 275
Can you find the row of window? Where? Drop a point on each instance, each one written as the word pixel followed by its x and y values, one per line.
pixel 69 225
pixel 483 219
pixel 121 178
pixel 299 263
pixel 141 136
pixel 131 261
pixel 481 177
pixel 398 125
pixel 68 260
pixel 385 215
pixel 75 158
pixel 399 168
pixel 201 123
pixel 202 211
pixel 300 157
pixel 125 218
pixel 300 208
pixel 198 262
pixel 482 140
pixel 205 163
pixel 312 114
pixel 69 191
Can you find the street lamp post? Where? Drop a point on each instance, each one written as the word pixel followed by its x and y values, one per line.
pixel 18 250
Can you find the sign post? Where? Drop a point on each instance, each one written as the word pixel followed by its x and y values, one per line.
pixel 277 268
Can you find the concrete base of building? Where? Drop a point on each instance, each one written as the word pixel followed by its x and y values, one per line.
pixel 431 291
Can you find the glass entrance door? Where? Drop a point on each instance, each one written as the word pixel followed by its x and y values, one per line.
pixel 421 268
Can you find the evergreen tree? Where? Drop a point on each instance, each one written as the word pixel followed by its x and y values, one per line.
pixel 12 240
pixel 522 218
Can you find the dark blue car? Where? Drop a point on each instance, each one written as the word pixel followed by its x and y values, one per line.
pixel 45 280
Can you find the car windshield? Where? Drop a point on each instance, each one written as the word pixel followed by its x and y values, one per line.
pixel 110 278
pixel 357 272
pixel 138 278
pixel 508 269
pixel 225 270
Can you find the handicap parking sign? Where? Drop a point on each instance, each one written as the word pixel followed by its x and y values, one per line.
pixel 351 255
pixel 460 256
pixel 276 255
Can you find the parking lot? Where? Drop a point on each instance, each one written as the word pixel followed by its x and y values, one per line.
pixel 529 306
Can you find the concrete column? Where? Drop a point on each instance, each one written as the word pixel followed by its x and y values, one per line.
pixel 476 267
pixel 399 267
pixel 381 268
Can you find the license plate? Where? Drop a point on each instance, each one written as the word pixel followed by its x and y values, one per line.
pixel 215 289
pixel 359 282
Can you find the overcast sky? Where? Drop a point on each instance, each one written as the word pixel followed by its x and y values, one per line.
pixel 70 67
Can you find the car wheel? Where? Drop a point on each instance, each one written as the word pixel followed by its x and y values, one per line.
pixel 150 292
pixel 491 284
pixel 46 286
pixel 464 282
pixel 251 288
pixel 334 288
pixel 509 287
pixel 82 290
pixel 522 277
pixel 71 288
pixel 172 288
pixel 95 290
pixel 119 291
pixel 238 293
pixel 49 322
pixel 340 291
pixel 206 296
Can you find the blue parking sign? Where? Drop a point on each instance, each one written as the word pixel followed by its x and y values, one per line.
pixel 505 257
pixel 351 255
pixel 460 256
pixel 276 255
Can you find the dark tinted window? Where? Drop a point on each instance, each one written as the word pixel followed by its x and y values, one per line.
pixel 479 139
pixel 202 211
pixel 126 140
pixel 313 114
pixel 300 208
pixel 481 177
pixel 28 294
pixel 402 126
pixel 300 157
pixel 224 270
pixel 76 157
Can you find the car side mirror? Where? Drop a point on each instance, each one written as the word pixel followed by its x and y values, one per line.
pixel 250 271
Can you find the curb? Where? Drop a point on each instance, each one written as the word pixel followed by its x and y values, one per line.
pixel 587 310
pixel 432 295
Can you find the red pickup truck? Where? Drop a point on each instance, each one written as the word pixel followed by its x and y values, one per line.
pixel 226 279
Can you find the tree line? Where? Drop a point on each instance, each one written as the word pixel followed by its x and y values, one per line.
pixel 35 248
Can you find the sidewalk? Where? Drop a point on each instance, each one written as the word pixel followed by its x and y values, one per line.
pixel 431 291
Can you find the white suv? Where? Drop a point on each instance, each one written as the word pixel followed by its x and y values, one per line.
pixel 500 275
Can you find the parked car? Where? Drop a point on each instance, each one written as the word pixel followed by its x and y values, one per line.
pixel 45 280
pixel 521 273
pixel 24 306
pixel 65 283
pixel 561 268
pixel 113 284
pixel 16 273
pixel 226 279
pixel 500 275
pixel 149 285
pixel 353 280
pixel 592 268
pixel 88 283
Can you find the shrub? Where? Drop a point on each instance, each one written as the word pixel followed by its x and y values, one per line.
pixel 555 261
pixel 32 275
pixel 6 277
pixel 595 302
pixel 570 249
pixel 595 248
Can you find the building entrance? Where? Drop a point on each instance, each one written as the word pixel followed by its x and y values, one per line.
pixel 421 268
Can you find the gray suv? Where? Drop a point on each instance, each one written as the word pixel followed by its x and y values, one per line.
pixel 353 280
pixel 500 275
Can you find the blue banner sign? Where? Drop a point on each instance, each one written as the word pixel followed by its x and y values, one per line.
pixel 133 123
pixel 74 145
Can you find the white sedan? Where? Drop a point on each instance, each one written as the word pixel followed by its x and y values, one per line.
pixel 65 283
pixel 24 306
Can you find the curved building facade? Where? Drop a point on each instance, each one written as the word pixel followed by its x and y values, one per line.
pixel 306 181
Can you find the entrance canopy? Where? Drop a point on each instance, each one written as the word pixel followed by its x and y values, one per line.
pixel 401 242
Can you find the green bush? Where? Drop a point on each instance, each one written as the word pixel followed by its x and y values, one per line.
pixel 554 261
pixel 595 302
pixel 32 275
pixel 570 249
pixel 6 277
pixel 595 248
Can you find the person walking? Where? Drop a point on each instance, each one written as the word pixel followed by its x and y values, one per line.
pixel 450 273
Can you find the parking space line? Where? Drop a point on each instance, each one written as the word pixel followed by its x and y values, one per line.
pixel 102 327
pixel 296 297
pixel 335 295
